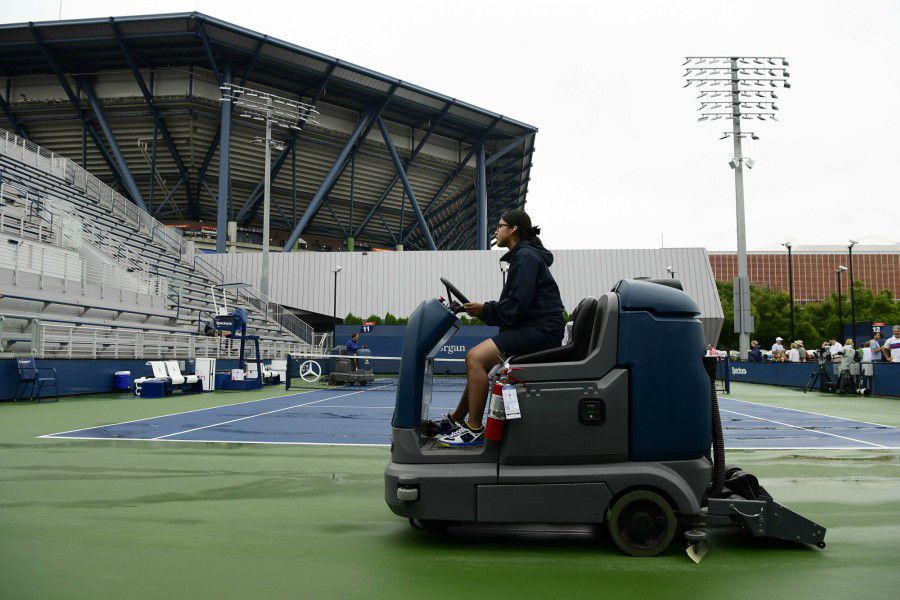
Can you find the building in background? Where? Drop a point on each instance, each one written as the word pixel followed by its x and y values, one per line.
pixel 876 266
pixel 137 102
pixel 396 282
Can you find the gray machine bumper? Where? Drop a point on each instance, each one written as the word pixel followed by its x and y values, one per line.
pixel 486 492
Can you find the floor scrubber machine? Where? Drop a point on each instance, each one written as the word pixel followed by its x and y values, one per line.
pixel 615 428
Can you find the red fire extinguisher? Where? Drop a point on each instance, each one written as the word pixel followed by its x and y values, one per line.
pixel 496 420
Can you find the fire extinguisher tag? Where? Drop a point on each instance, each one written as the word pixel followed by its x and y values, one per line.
pixel 511 402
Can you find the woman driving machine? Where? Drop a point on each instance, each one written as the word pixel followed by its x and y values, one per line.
pixel 529 314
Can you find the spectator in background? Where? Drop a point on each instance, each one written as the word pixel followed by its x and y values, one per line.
pixel 778 350
pixel 891 347
pixel 793 355
pixel 843 369
pixel 867 370
pixel 801 350
pixel 874 347
pixel 711 351
pixel 836 349
pixel 755 354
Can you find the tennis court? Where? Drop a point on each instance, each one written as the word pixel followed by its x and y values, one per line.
pixel 354 415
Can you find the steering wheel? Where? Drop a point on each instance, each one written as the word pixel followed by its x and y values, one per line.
pixel 451 292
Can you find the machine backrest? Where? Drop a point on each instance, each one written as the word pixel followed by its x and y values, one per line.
pixel 599 356
pixel 583 320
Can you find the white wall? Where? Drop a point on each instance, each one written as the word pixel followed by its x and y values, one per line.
pixel 396 282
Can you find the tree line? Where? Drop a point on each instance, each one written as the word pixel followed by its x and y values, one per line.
pixel 814 322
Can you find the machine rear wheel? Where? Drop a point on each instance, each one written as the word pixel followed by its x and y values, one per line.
pixel 642 523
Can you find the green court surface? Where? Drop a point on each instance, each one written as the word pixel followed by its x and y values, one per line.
pixel 125 519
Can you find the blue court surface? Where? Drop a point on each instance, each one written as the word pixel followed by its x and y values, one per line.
pixel 362 416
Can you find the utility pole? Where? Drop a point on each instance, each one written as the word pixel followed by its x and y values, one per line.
pixel 736 79
pixel 790 284
pixel 852 295
pixel 274 110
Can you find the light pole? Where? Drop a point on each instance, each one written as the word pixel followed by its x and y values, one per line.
pixel 274 110
pixel 790 284
pixel 670 271
pixel 504 267
pixel 334 311
pixel 737 88
pixel 838 273
pixel 852 295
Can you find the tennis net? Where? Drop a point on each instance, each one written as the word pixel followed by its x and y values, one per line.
pixel 331 371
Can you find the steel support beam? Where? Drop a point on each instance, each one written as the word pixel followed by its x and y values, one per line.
pixel 507 148
pixel 412 156
pixel 160 123
pixel 224 170
pixel 11 117
pixel 124 171
pixel 398 165
pixel 201 32
pixel 481 198
pixel 449 232
pixel 434 211
pixel 214 144
pixel 335 217
pixel 329 181
pixel 76 103
pixel 456 171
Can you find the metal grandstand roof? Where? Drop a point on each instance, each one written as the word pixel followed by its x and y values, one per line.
pixel 79 50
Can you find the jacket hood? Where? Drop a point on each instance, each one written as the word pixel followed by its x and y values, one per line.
pixel 533 244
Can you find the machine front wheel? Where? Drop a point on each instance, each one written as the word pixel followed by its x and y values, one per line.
pixel 642 523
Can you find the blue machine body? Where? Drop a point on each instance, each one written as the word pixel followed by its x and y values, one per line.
pixel 429 328
pixel 661 343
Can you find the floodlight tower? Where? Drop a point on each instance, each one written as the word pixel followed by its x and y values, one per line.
pixel 274 110
pixel 744 84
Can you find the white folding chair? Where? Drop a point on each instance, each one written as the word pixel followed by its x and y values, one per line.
pixel 175 373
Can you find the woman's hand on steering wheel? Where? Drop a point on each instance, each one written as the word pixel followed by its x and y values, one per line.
pixel 474 309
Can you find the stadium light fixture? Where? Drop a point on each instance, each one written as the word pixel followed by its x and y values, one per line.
pixel 751 82
pixel 274 110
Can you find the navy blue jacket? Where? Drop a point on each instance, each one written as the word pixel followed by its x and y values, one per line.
pixel 352 347
pixel 530 295
pixel 755 355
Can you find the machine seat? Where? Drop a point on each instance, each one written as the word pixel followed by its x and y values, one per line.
pixel 578 347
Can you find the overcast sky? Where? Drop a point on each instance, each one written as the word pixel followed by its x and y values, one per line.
pixel 621 159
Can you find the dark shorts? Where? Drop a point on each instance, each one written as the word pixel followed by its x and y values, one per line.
pixel 526 339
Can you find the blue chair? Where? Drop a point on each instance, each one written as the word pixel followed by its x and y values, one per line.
pixel 30 373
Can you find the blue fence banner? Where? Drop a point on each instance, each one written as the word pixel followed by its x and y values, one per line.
pixel 886 375
pixel 83 376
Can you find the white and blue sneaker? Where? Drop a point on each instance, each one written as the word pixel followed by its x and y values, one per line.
pixel 462 437
pixel 445 424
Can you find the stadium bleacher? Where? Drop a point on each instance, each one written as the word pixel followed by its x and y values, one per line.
pixel 85 273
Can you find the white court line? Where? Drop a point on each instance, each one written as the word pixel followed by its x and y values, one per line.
pixel 258 442
pixel 269 412
pixel 184 412
pixel 809 412
pixel 124 439
pixel 805 428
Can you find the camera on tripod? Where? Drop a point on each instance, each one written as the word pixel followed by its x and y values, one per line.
pixel 821 375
